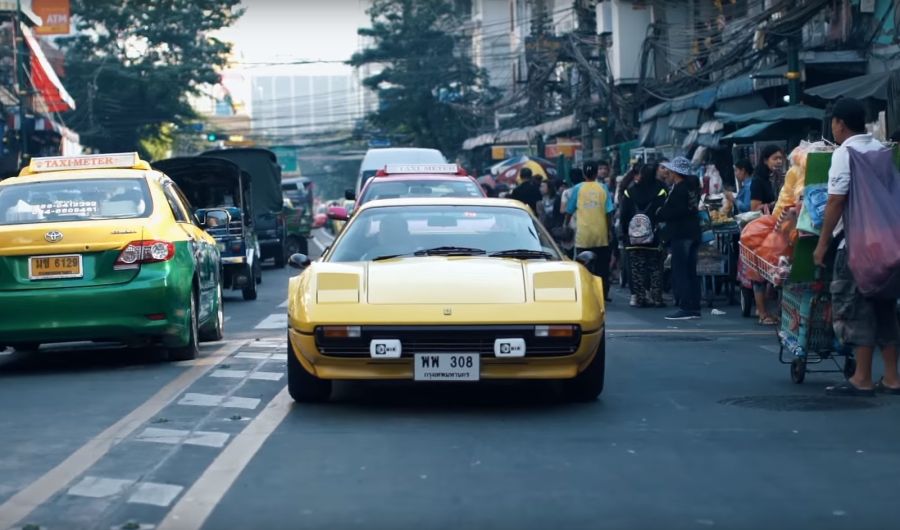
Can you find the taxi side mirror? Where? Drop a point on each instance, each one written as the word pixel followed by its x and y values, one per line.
pixel 338 213
pixel 350 195
pixel 216 219
pixel 299 261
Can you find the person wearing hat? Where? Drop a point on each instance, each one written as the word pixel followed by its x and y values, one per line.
pixel 680 213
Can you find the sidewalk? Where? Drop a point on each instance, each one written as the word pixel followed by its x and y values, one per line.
pixel 624 319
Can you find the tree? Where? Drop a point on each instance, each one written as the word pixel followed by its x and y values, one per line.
pixel 132 65
pixel 429 90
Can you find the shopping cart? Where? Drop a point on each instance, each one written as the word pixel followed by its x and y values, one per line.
pixel 806 336
pixel 771 272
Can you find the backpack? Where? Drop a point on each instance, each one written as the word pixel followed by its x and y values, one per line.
pixel 640 227
pixel 870 223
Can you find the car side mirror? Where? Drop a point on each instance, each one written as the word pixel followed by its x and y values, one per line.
pixel 338 213
pixel 585 257
pixel 299 261
pixel 216 219
pixel 350 195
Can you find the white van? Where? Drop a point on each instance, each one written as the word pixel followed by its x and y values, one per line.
pixel 376 159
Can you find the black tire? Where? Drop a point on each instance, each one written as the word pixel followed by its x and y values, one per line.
pixel 302 385
pixel 215 330
pixel 192 349
pixel 849 367
pixel 798 370
pixel 588 385
pixel 746 302
pixel 249 291
pixel 280 256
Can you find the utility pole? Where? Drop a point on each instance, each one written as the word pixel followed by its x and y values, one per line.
pixel 793 73
pixel 586 32
pixel 22 81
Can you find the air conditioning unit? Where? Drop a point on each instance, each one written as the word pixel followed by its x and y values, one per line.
pixel 604 17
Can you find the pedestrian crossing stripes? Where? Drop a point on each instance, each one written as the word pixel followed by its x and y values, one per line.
pixel 283 304
pixel 242 374
pixel 177 436
pixel 273 321
pixel 209 400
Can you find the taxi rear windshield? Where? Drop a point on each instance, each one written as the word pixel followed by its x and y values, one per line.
pixel 387 188
pixel 74 200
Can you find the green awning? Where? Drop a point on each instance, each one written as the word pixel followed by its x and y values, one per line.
pixel 790 113
pixel 865 86
pixel 749 132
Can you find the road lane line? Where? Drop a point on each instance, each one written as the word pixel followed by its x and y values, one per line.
pixel 52 482
pixel 197 504
pixel 155 494
pixel 319 244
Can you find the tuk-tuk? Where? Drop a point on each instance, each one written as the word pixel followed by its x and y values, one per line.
pixel 268 204
pixel 222 199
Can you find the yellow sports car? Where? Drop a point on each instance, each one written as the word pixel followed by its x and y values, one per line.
pixel 444 290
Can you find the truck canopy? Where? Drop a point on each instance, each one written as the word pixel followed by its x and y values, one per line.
pixel 265 176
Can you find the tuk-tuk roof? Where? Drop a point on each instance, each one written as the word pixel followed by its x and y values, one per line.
pixel 188 170
pixel 265 175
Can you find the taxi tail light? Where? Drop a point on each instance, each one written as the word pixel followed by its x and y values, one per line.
pixel 236 246
pixel 144 251
pixel 554 331
pixel 341 332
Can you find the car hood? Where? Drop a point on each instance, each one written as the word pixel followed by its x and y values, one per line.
pixel 445 280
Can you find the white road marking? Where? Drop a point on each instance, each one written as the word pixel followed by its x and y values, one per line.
pixel 262 356
pixel 319 244
pixel 770 348
pixel 267 344
pixel 208 400
pixel 176 436
pixel 155 494
pixel 274 321
pixel 283 304
pixel 99 487
pixel 227 319
pixel 17 507
pixel 195 506
pixel 241 374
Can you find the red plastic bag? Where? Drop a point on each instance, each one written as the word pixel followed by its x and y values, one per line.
pixel 871 223
pixel 756 231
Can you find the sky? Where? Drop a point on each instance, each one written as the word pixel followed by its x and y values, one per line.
pixel 283 31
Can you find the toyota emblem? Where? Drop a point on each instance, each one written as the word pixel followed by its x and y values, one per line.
pixel 53 237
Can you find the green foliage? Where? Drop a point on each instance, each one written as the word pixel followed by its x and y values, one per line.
pixel 428 87
pixel 131 66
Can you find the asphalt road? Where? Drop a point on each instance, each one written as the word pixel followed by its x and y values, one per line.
pixel 699 427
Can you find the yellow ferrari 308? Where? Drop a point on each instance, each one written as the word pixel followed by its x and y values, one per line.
pixel 444 290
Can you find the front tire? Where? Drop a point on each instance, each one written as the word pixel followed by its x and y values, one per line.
pixel 192 349
pixel 249 291
pixel 216 329
pixel 302 385
pixel 588 385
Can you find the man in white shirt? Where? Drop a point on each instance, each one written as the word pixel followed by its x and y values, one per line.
pixel 859 322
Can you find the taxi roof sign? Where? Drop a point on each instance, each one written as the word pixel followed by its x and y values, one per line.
pixel 104 161
pixel 398 169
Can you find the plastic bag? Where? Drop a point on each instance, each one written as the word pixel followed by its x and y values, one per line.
pixel 815 198
pixel 757 231
pixel 871 221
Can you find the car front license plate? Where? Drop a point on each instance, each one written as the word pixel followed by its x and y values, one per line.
pixel 55 267
pixel 447 367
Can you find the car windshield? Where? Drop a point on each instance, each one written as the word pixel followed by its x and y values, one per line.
pixel 74 200
pixel 470 230
pixel 385 188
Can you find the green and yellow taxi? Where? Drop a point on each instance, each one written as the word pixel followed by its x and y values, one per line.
pixel 103 248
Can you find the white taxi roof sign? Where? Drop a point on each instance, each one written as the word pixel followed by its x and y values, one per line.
pixel 103 161
pixel 397 169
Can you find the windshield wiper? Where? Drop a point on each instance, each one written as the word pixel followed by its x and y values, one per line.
pixel 450 251
pixel 390 256
pixel 522 253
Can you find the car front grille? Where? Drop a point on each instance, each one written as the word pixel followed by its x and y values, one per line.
pixel 447 339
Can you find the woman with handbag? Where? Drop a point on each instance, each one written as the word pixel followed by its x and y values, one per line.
pixel 639 222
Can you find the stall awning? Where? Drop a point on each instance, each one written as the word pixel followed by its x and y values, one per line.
pixel 790 113
pixel 702 99
pixel 749 132
pixel 47 85
pixel 873 86
pixel 685 119
pixel 523 134
pixel 663 109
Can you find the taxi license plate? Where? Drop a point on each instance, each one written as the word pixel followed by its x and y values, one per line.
pixel 447 367
pixel 55 267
